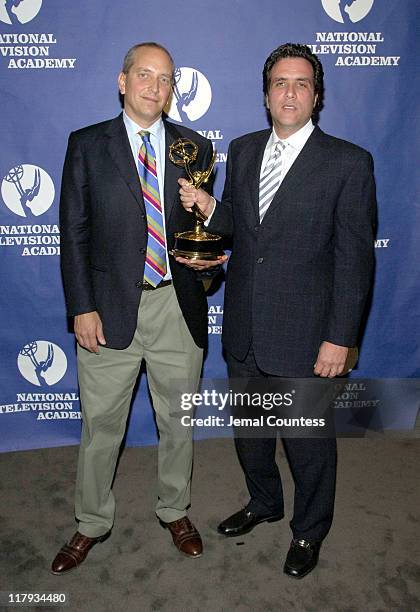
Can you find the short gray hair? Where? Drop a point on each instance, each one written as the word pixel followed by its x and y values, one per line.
pixel 129 56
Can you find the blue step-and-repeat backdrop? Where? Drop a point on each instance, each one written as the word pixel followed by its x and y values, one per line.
pixel 59 63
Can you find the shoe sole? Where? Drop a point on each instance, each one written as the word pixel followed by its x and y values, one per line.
pixel 273 519
pixel 66 572
pixel 189 556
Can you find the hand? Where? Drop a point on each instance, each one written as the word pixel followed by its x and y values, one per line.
pixel 88 331
pixel 331 360
pixel 189 196
pixel 202 264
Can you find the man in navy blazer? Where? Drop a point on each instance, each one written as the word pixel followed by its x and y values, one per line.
pixel 120 318
pixel 300 208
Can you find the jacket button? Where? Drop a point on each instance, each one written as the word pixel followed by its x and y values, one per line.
pixel 256 228
pixel 142 250
pixel 260 259
pixel 139 284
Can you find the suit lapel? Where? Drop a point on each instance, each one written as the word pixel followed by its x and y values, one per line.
pixel 172 172
pixel 120 151
pixel 255 155
pixel 311 156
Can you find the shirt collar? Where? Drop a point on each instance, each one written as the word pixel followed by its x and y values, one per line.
pixel 133 128
pixel 296 140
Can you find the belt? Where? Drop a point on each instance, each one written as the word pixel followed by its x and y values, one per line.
pixel 148 287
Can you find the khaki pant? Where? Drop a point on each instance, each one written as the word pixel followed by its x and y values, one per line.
pixel 106 383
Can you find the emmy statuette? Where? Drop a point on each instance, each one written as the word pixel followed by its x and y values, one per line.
pixel 195 244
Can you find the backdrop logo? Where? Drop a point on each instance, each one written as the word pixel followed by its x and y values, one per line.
pixel 42 363
pixel 215 319
pixel 27 190
pixel 354 11
pixel 191 95
pixel 19 11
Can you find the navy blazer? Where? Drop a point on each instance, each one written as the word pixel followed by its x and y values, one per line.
pixel 104 230
pixel 301 276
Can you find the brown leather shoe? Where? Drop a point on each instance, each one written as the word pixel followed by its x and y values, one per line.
pixel 74 553
pixel 185 536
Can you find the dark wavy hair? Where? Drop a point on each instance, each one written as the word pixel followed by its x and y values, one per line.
pixel 295 50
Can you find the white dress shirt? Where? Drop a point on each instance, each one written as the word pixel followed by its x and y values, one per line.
pixel 293 146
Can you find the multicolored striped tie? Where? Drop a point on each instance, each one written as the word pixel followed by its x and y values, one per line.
pixel 155 264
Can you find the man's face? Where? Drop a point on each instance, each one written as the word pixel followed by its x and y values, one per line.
pixel 291 97
pixel 147 86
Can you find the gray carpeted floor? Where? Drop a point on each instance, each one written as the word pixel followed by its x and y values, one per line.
pixel 370 561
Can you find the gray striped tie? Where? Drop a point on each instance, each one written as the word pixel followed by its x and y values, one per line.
pixel 269 181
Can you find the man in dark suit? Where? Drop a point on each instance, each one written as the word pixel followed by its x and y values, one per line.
pixel 130 301
pixel 300 207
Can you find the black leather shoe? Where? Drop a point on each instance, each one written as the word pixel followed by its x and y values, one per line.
pixel 301 558
pixel 244 521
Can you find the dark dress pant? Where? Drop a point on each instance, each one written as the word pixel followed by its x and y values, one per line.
pixel 312 462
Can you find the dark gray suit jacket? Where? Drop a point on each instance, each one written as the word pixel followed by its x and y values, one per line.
pixel 301 276
pixel 104 230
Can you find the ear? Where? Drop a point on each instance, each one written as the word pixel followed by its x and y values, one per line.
pixel 121 83
pixel 169 101
pixel 267 106
pixel 315 100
